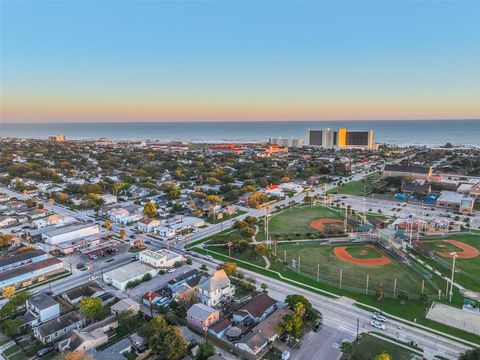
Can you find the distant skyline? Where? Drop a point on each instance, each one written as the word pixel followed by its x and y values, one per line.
pixel 106 61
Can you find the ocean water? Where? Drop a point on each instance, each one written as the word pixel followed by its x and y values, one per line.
pixel 412 132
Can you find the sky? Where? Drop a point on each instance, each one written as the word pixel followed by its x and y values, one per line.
pixel 75 61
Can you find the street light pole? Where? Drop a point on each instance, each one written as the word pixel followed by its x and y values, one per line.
pixel 454 254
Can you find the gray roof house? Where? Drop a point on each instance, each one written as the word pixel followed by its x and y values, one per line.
pixel 59 327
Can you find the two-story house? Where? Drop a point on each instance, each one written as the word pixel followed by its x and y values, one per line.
pixel 213 289
pixel 40 308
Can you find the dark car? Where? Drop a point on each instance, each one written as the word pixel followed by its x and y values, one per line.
pixel 317 326
pixel 132 236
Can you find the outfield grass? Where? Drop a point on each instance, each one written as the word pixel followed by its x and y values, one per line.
pixel 368 346
pixel 363 252
pixel 298 219
pixel 470 266
pixel 315 258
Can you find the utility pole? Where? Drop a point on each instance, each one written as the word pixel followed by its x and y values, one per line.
pixel 454 254
pixel 358 325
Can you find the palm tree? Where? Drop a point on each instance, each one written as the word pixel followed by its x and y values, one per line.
pixel 264 287
pixel 108 225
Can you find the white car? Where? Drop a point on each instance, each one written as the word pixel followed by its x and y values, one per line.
pixel 92 278
pixel 379 317
pixel 171 270
pixel 377 324
pixel 208 257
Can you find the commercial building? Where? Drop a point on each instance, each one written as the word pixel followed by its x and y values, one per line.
pixel 121 276
pixel 57 138
pixel 73 232
pixel 341 138
pixel 162 258
pixel 416 172
pixel 290 142
pixel 29 274
pixel 21 259
pixel 459 202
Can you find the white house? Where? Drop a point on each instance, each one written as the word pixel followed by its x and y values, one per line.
pixel 148 225
pixel 6 221
pixel 40 308
pixel 54 219
pixel 109 198
pixel 291 187
pixel 215 288
pixel 124 216
pixel 162 258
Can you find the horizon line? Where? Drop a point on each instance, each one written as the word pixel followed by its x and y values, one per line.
pixel 14 122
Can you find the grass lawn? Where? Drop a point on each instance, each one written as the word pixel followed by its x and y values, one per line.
pixel 357 187
pixel 470 266
pixel 314 257
pixel 298 219
pixel 368 346
pixel 363 252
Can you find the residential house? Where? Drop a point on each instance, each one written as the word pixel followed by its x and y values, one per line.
pixel 220 328
pixel 202 316
pixel 89 337
pixel 40 308
pixel 54 219
pixel 148 225
pixel 90 289
pixel 109 199
pixel 215 288
pixel 59 327
pixel 256 310
pixel 257 340
pixel 6 221
pixel 36 214
pixel 125 305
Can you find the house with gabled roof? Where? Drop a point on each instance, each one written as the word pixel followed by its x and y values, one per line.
pixel 255 310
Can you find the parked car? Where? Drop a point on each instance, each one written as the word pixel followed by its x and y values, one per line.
pixel 172 270
pixel 92 278
pixel 377 324
pixel 44 351
pixel 379 317
pixel 132 236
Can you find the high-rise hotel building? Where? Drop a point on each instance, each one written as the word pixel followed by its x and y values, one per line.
pixel 341 139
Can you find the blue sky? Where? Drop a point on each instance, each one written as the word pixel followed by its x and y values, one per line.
pixel 154 61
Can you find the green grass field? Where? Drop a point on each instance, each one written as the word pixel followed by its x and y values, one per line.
pixel 363 252
pixel 298 219
pixel 357 187
pixel 471 267
pixel 368 346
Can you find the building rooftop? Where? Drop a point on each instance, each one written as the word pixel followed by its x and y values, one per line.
pixel 258 305
pixel 201 311
pixel 452 196
pixel 23 256
pixel 160 254
pixel 42 301
pixel 58 323
pixel 69 228
pixel 27 269
pixel 410 169
pixel 128 271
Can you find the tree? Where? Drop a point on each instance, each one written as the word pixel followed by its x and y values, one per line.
pixel 264 287
pixel 213 199
pixel 108 225
pixel 9 327
pixel 91 308
pixel 229 267
pixel 403 297
pixel 123 233
pixel 126 320
pixel 150 209
pixel 347 349
pixel 164 339
pixel 74 355
pixel 247 231
pixel 205 351
pixel 383 356
pixel 8 292
pixel 261 249
pixel 472 354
